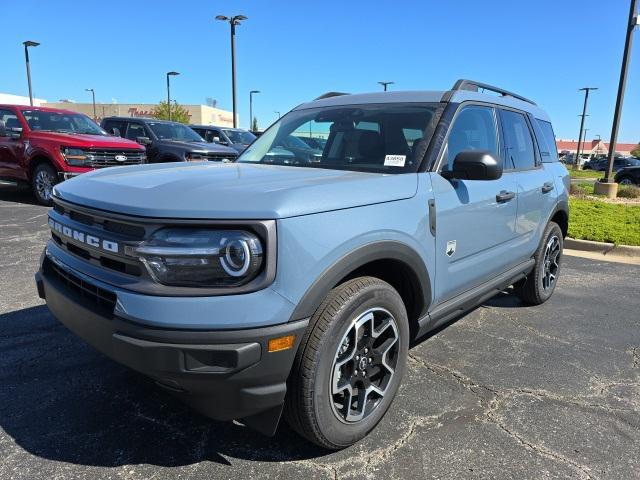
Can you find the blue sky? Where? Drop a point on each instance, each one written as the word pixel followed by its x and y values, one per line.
pixel 295 50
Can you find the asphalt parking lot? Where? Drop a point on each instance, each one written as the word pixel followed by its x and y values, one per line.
pixel 505 392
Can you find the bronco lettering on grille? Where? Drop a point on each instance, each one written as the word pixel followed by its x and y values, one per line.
pixel 83 237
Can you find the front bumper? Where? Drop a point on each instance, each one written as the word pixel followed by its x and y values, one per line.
pixel 224 374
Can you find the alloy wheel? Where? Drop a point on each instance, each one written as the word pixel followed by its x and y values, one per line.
pixel 44 184
pixel 364 365
pixel 551 263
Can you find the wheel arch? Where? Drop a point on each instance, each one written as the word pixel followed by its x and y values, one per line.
pixel 561 217
pixel 391 261
pixel 37 160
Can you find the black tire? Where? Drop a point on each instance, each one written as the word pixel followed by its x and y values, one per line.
pixel 622 179
pixel 537 287
pixel 310 407
pixel 42 182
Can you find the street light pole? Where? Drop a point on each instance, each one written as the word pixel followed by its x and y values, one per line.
pixel 385 84
pixel 169 74
pixel 28 44
pixel 233 21
pixel 275 111
pixel 631 24
pixel 93 96
pixel 586 90
pixel 251 108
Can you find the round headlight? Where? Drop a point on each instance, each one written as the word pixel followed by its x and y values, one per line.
pixel 237 257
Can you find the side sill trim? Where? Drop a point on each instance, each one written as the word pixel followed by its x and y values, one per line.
pixel 456 306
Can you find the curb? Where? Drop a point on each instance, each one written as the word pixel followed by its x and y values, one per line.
pixel 602 247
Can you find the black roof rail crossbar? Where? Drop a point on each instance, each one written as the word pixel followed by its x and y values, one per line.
pixel 329 95
pixel 473 86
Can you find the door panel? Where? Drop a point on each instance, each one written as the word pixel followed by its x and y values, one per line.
pixel 11 149
pixel 468 213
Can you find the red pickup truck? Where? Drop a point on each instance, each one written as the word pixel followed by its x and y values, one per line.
pixel 43 146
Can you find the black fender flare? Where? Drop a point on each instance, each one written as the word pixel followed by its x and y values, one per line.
pixel 370 252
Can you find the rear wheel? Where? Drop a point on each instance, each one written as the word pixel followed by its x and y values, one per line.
pixel 540 284
pixel 350 364
pixel 42 183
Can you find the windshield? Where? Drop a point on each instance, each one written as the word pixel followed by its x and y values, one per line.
pixel 174 131
pixel 62 122
pixel 240 136
pixel 386 138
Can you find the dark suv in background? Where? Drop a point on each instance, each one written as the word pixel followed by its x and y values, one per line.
pixel 235 138
pixel 167 141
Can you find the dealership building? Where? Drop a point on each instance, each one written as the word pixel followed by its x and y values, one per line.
pixel 593 148
pixel 198 114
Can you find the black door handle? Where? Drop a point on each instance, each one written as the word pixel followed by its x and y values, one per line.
pixel 547 187
pixel 505 196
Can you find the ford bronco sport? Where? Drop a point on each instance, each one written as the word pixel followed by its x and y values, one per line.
pixel 42 146
pixel 253 288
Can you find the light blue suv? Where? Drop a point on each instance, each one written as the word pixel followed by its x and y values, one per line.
pixel 280 284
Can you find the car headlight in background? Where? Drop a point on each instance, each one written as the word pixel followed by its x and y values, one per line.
pixel 194 157
pixel 194 257
pixel 75 156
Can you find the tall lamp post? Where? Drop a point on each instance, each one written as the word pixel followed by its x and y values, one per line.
pixel 275 111
pixel 251 108
pixel 28 44
pixel 634 20
pixel 586 90
pixel 170 74
pixel 93 97
pixel 233 21
pixel 385 84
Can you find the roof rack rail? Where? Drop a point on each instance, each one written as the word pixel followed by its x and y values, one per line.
pixel 329 95
pixel 473 86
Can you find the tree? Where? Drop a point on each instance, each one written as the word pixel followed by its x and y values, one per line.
pixel 254 125
pixel 636 151
pixel 178 112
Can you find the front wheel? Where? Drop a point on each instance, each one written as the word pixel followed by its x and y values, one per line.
pixel 626 181
pixel 42 182
pixel 349 365
pixel 540 284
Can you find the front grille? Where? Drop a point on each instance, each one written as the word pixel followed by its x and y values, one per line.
pixel 218 157
pixel 107 158
pixel 90 292
pixel 100 228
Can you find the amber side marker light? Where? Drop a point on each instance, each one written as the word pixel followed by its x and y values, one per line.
pixel 281 343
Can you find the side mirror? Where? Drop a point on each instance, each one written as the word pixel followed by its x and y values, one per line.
pixel 474 165
pixel 116 132
pixel 143 140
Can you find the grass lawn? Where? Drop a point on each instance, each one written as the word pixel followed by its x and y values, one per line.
pixel 584 173
pixel 604 222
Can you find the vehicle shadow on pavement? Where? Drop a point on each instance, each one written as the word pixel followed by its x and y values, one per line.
pixel 62 400
pixel 19 194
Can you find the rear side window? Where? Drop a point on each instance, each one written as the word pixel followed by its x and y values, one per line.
pixel 10 119
pixel 546 141
pixel 134 131
pixel 473 129
pixel 517 140
pixel 109 125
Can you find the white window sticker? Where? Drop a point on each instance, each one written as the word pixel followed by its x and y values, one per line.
pixel 394 160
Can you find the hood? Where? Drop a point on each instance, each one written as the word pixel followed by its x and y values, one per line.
pixel 208 190
pixel 84 140
pixel 198 146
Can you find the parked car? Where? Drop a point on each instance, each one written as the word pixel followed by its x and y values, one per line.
pixel 43 146
pixel 313 142
pixel 167 141
pixel 300 150
pixel 602 164
pixel 235 138
pixel 628 175
pixel 251 289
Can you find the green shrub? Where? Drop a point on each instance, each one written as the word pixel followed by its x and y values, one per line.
pixel 629 192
